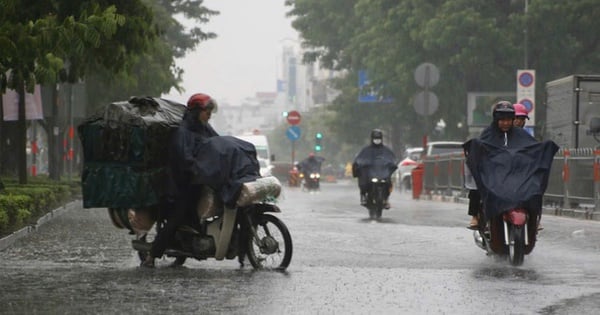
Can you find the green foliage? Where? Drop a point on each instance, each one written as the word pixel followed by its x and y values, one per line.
pixel 23 204
pixel 3 221
pixel 151 69
pixel 476 45
pixel 42 198
pixel 16 208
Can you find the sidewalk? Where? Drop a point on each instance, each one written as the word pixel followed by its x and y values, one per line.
pixel 11 238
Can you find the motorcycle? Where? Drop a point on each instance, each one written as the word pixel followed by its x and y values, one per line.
pixel 376 196
pixel 512 234
pixel 294 177
pixel 511 184
pixel 249 229
pixel 311 180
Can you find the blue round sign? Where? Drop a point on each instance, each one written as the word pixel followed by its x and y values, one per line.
pixel 293 133
pixel 526 79
pixel 528 104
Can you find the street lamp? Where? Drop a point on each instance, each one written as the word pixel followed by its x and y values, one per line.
pixel 526 36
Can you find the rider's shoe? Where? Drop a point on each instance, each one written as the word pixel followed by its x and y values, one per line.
pixel 387 205
pixel 540 227
pixel 148 262
pixel 474 224
pixel 363 200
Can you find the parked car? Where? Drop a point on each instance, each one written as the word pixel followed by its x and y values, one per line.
pixel 413 156
pixel 442 147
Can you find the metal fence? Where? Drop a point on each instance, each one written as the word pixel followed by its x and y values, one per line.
pixel 574 180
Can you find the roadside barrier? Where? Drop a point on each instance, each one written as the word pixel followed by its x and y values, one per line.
pixel 574 180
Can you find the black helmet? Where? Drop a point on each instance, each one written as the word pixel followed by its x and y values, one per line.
pixel 376 134
pixel 503 109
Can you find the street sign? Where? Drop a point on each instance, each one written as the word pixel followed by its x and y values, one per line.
pixel 427 75
pixel 526 93
pixel 367 93
pixel 426 103
pixel 293 117
pixel 293 133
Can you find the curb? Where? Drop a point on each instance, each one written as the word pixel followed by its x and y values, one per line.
pixel 582 214
pixel 6 241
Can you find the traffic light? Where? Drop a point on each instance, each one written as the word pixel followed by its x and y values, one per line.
pixel 318 145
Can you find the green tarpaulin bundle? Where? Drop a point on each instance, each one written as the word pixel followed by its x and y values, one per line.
pixel 124 152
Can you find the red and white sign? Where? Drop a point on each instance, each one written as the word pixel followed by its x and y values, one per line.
pixel 33 105
pixel 526 93
pixel 293 117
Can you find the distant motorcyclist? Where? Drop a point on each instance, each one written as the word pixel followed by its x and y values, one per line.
pixel 375 155
pixel 312 164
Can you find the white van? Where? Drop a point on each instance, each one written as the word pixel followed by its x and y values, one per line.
pixel 260 143
pixel 263 153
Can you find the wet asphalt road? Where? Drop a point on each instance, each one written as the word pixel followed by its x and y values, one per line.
pixel 419 259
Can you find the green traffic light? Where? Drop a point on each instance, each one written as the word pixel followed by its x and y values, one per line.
pixel 319 135
pixel 317 148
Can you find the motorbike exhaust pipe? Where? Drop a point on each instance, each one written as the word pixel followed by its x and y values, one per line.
pixel 478 240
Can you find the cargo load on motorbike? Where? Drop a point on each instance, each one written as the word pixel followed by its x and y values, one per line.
pixel 124 155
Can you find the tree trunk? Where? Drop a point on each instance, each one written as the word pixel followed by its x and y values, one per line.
pixel 2 133
pixel 22 135
pixel 54 161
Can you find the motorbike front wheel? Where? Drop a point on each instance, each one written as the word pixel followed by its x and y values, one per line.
pixel 271 247
pixel 516 248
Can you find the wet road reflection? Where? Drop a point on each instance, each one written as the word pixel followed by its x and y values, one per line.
pixel 418 259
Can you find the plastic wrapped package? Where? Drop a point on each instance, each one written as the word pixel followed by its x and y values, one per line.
pixel 124 156
pixel 261 189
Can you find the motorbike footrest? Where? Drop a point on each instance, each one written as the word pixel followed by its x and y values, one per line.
pixel 141 246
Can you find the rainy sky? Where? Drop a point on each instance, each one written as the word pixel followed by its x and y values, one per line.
pixel 244 58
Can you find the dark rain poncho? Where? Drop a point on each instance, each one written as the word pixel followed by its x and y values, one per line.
pixel 311 165
pixel 511 176
pixel 373 161
pixel 199 156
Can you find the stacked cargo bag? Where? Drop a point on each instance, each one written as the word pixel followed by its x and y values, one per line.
pixel 125 153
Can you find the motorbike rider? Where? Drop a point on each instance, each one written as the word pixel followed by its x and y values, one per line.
pixel 520 115
pixel 375 152
pixel 181 192
pixel 500 132
pixel 311 164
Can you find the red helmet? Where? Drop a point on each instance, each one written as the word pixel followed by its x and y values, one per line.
pixel 520 110
pixel 202 101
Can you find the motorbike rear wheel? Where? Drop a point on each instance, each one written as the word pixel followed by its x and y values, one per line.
pixel 271 247
pixel 516 248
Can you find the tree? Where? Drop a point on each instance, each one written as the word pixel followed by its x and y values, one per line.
pixel 152 70
pixel 32 37
pixel 477 45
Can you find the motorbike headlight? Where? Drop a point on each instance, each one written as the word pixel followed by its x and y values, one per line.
pixel 317 175
pixel 312 175
pixel 374 180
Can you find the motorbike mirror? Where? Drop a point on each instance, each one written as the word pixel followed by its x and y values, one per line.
pixel 594 125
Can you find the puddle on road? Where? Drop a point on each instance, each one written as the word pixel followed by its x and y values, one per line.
pixel 507 272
